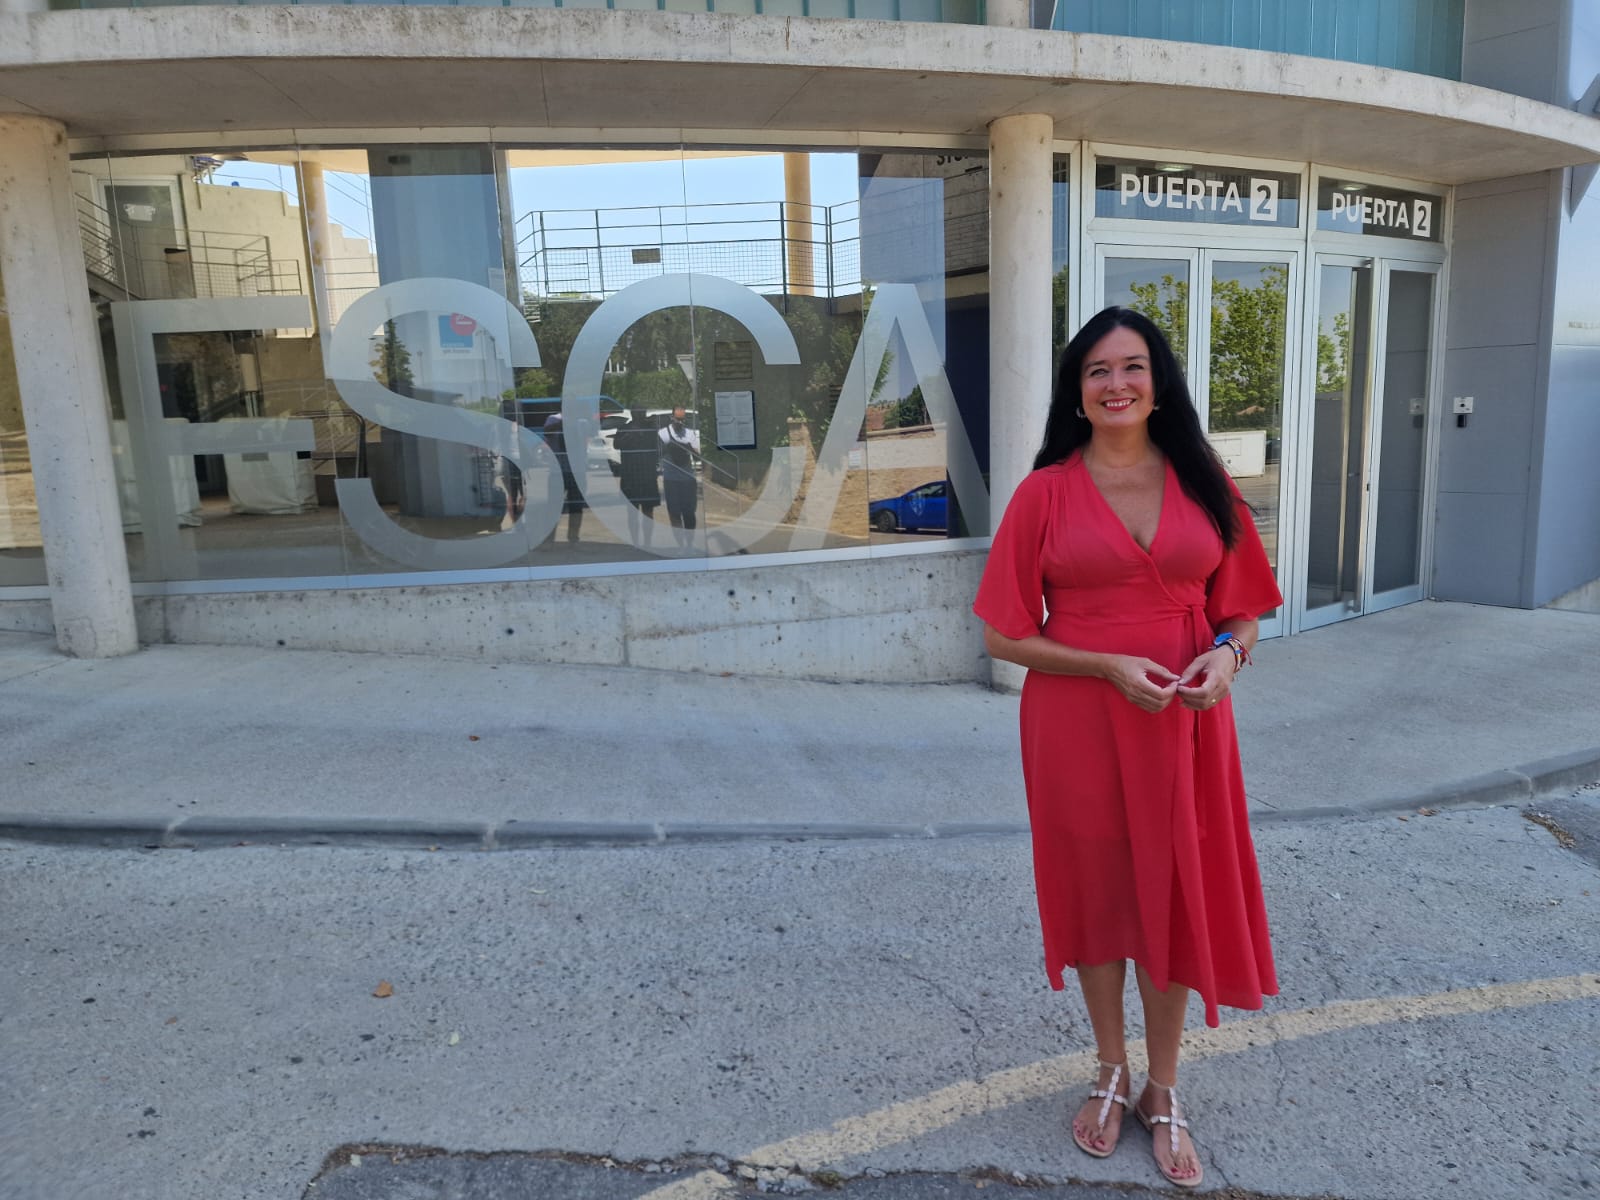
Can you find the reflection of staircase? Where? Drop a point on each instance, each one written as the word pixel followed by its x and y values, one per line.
pixel 99 253
pixel 167 265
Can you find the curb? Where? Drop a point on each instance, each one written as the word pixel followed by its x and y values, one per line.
pixel 206 833
pixel 1514 786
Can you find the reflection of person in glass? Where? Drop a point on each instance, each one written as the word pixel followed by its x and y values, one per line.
pixel 508 476
pixel 571 494
pixel 639 451
pixel 680 448
pixel 1130 535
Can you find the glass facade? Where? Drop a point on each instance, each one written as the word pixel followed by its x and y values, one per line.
pixel 1245 389
pixel 1158 288
pixel 348 362
pixel 21 552
pixel 1339 421
pixel 346 365
pixel 1403 431
pixel 1060 253
pixel 1409 35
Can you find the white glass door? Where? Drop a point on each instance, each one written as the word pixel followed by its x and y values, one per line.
pixel 1236 311
pixel 1158 282
pixel 1332 580
pixel 1368 432
pixel 1247 387
pixel 1402 427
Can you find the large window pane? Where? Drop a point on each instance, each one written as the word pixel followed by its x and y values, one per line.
pixel 1060 255
pixel 1339 415
pixel 423 358
pixel 1403 441
pixel 21 552
pixel 925 258
pixel 1158 288
pixel 198 265
pixel 1249 313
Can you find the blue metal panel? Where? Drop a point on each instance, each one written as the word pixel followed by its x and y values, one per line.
pixel 1410 35
pixel 1321 28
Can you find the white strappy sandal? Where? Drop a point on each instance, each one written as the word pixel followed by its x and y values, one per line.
pixel 1173 1123
pixel 1109 1096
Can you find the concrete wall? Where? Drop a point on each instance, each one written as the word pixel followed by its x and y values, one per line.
pixel 1512 46
pixel 1495 351
pixel 1567 546
pixel 1519 494
pixel 897 618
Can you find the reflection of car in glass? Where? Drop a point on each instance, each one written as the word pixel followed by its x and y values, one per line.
pixel 535 412
pixel 923 508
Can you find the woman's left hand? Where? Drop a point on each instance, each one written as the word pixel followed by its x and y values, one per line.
pixel 1207 679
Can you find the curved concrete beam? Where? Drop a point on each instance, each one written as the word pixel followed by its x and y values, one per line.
pixel 511 74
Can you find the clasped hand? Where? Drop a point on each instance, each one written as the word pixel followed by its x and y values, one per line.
pixel 1147 684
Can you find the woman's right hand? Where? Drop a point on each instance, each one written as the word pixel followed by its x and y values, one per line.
pixel 1141 681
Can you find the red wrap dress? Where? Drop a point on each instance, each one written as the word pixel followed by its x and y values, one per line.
pixel 1141 844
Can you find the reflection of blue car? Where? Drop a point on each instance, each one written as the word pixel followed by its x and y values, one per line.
pixel 922 508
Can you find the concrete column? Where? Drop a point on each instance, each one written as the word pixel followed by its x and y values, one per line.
pixel 1019 309
pixel 64 403
pixel 799 240
pixel 1008 14
pixel 319 241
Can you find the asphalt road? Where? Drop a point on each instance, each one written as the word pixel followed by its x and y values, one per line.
pixel 190 1025
pixel 399 1176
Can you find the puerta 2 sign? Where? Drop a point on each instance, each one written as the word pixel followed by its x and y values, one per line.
pixel 1348 206
pixel 1179 192
pixel 457 305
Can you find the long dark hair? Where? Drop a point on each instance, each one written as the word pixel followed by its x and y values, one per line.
pixel 1174 426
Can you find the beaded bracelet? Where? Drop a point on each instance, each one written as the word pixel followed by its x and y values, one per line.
pixel 1241 656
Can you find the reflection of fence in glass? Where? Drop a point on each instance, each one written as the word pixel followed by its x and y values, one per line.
pixel 770 247
pixel 168 264
pixel 347 280
pixel 911 221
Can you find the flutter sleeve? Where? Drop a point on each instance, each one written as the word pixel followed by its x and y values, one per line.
pixel 1242 587
pixel 1011 594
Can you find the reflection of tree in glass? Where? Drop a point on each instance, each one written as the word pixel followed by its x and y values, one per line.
pixel 391 366
pixel 827 343
pixel 1333 355
pixel 642 369
pixel 1059 283
pixel 1167 304
pixel 911 411
pixel 1247 344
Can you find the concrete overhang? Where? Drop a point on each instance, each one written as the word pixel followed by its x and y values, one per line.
pixel 127 77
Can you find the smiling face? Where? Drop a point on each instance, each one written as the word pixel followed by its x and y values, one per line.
pixel 1117 387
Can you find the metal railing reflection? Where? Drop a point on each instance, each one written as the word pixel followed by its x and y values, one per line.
pixel 165 263
pixel 772 247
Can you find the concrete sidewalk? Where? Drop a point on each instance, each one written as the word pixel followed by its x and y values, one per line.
pixel 1427 705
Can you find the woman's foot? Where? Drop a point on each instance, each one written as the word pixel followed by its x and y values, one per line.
pixel 1098 1125
pixel 1174 1151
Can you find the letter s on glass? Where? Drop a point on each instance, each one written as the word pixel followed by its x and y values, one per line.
pixel 351 373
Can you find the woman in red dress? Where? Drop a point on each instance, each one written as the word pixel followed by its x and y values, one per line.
pixel 1128 577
